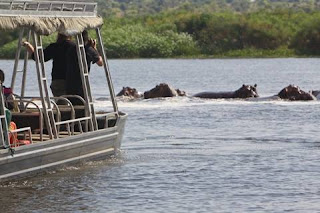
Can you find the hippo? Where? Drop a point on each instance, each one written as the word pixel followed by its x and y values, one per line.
pixel 163 90
pixel 246 91
pixel 129 92
pixel 294 93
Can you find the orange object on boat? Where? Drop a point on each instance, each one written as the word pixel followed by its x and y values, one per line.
pixel 13 136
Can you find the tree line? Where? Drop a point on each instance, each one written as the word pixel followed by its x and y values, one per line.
pixel 276 33
pixel 118 8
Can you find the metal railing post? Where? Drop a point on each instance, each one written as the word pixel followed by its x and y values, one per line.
pixel 107 71
pixel 43 87
pixel 17 57
pixel 84 73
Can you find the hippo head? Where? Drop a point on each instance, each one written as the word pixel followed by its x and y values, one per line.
pixel 181 93
pixel 161 90
pixel 294 93
pixel 247 91
pixel 129 92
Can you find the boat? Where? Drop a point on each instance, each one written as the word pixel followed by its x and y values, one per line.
pixel 53 132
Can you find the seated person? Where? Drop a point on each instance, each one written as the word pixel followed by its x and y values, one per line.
pixel 7 92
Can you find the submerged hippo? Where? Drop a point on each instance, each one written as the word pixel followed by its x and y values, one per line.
pixel 129 92
pixel 246 91
pixel 294 93
pixel 163 90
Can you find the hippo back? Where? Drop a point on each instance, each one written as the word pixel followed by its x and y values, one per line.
pixel 246 91
pixel 294 93
pixel 161 90
pixel 214 95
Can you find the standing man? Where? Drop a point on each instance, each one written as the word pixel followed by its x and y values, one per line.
pixel 58 53
pixel 73 78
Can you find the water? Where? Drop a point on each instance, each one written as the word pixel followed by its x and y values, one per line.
pixel 192 155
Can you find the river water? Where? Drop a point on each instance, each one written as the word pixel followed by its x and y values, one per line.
pixel 192 155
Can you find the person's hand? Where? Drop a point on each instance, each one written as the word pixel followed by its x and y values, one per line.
pixel 93 43
pixel 25 43
pixel 28 46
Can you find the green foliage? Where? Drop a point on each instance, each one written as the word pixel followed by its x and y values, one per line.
pixel 118 8
pixel 137 40
pixel 8 50
pixel 307 39
pixel 222 32
pixel 192 32
pixel 257 53
pixel 8 36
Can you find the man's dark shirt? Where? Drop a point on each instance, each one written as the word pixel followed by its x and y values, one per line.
pixel 58 52
pixel 73 77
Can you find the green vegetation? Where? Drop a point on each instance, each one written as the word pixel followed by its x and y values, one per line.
pixel 281 33
pixel 117 8
pixel 189 28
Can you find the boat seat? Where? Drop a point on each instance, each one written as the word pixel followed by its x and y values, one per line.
pixel 28 119
pixel 30 114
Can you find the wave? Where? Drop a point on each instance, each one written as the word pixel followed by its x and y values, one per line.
pixel 176 102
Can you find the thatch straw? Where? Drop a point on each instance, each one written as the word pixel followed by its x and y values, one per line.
pixel 47 26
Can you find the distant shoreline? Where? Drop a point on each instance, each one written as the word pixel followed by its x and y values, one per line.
pixel 204 58
pixel 261 34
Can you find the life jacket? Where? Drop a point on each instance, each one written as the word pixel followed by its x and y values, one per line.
pixel 13 137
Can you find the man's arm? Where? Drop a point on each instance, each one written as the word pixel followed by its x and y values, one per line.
pixel 48 51
pixel 29 47
pixel 100 62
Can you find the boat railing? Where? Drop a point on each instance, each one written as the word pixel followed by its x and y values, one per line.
pixel 24 107
pixel 33 106
pixel 14 134
pixel 49 8
pixel 107 117
pixel 4 133
pixel 70 123
pixel 65 105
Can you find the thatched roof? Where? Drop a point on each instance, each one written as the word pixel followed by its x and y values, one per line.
pixel 49 25
pixel 46 17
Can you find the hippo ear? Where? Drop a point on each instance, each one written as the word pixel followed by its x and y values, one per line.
pixel 243 85
pixel 255 85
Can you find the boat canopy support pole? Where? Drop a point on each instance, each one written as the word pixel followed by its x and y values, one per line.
pixel 25 63
pixel 17 57
pixel 107 71
pixel 25 67
pixel 84 73
pixel 43 87
pixel 4 132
